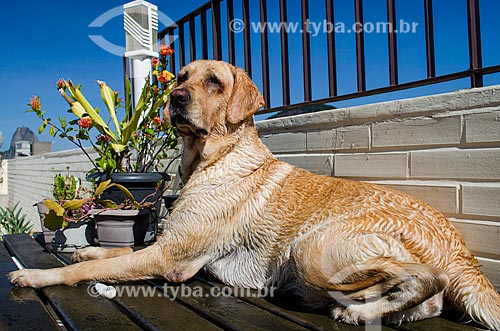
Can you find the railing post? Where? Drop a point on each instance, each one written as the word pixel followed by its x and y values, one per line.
pixel 182 46
pixel 475 52
pixel 192 39
pixel 230 32
pixel 429 39
pixel 204 37
pixel 246 36
pixel 360 45
pixel 306 50
pixel 171 41
pixel 265 55
pixel 393 50
pixel 332 58
pixel 285 68
pixel 216 30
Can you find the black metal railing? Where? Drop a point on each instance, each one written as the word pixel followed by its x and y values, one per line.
pixel 219 43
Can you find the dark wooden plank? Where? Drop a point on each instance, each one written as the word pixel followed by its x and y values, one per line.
pixel 436 324
pixel 22 309
pixel 74 306
pixel 163 312
pixel 228 312
pixel 149 307
pixel 290 309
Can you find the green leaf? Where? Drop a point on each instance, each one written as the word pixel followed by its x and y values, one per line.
pixel 118 148
pixel 41 128
pixel 52 131
pixel 53 221
pixel 63 122
pixel 82 104
pixel 127 193
pixel 52 205
pixel 108 96
pixel 106 203
pixel 103 186
pixel 128 99
pixel 131 126
pixel 74 204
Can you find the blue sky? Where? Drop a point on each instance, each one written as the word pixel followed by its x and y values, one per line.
pixel 44 41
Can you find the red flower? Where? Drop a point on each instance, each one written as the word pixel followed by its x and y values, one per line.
pixel 35 103
pixel 166 50
pixel 85 122
pixel 61 83
pixel 154 62
pixel 157 120
pixel 165 76
pixel 103 137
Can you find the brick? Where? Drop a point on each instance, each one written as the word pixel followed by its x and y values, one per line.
pixel 380 165
pixel 483 127
pixel 443 198
pixel 417 131
pixel 346 138
pixel 285 142
pixel 481 199
pixel 480 236
pixel 456 164
pixel 319 164
pixel 491 269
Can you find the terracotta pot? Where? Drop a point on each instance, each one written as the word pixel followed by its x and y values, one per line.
pixel 121 228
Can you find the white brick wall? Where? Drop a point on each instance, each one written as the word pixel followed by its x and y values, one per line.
pixel 443 149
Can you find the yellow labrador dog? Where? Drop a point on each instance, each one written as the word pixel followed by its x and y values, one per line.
pixel 366 252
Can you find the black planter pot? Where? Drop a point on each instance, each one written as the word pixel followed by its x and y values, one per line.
pixel 141 185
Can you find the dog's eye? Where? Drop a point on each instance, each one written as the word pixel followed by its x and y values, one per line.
pixel 213 82
pixel 182 78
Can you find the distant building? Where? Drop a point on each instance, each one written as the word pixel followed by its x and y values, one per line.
pixel 41 147
pixel 25 143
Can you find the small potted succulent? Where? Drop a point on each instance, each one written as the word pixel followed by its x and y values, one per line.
pixel 73 233
pixel 131 142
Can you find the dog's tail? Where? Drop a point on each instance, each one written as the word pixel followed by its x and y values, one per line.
pixel 472 292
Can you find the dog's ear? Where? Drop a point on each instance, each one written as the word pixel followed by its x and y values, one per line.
pixel 245 98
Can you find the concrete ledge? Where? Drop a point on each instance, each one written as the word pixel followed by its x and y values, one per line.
pixel 421 106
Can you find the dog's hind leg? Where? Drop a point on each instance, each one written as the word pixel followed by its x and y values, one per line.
pixel 368 277
pixel 406 292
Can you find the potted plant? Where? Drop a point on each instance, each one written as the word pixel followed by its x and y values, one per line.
pixel 132 216
pixel 130 146
pixel 74 233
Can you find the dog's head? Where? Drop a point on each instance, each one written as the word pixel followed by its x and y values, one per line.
pixel 211 96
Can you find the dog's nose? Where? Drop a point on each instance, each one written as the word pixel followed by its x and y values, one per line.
pixel 180 97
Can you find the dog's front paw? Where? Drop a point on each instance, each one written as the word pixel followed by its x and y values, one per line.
pixel 87 253
pixel 25 278
pixel 35 278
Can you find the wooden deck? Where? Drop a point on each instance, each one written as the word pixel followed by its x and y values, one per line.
pixel 73 308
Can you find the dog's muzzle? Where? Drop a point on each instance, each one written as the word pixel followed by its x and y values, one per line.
pixel 179 99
